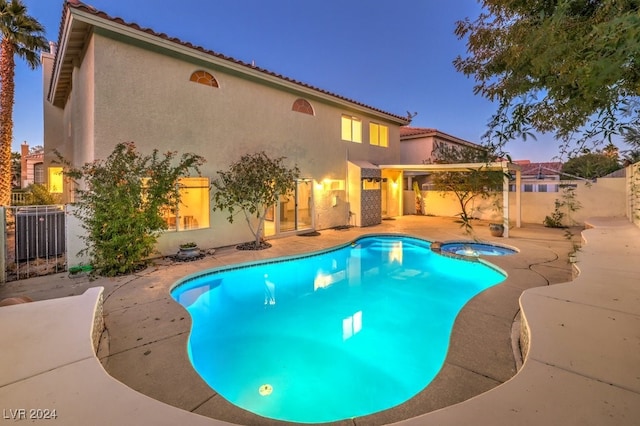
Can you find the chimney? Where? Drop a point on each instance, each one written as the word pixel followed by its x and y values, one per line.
pixel 52 47
pixel 24 151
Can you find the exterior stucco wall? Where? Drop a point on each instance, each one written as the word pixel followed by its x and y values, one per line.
pixel 52 118
pixel 415 151
pixel 145 96
pixel 82 120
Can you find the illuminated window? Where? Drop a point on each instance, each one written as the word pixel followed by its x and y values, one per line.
pixel 55 180
pixel 205 78
pixel 378 135
pixel 351 129
pixel 193 211
pixel 303 106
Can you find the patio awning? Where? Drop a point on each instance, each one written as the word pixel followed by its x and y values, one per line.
pixel 503 166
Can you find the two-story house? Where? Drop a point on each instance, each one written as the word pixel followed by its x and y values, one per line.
pixel 109 81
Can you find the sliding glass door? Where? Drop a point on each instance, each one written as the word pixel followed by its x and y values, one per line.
pixel 293 211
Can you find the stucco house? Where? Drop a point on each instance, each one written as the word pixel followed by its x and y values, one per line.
pixel 108 81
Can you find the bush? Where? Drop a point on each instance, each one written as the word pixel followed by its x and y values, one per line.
pixel 123 204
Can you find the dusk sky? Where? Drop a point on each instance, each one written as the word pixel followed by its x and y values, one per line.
pixel 395 55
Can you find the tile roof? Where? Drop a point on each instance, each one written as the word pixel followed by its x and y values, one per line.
pixel 548 168
pixel 416 131
pixel 79 5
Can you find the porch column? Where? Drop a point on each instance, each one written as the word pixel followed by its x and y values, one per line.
pixel 518 199
pixel 505 198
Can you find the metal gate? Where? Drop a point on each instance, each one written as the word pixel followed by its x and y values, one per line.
pixel 33 241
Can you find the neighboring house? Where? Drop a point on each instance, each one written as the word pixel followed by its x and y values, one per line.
pixel 539 177
pixel 31 166
pixel 418 146
pixel 110 81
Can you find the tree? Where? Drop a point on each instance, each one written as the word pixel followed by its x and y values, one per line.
pixel 591 165
pixel 122 208
pixel 22 36
pixel 252 185
pixel 466 185
pixel 571 67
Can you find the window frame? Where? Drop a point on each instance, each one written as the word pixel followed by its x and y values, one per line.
pixel 205 78
pixel 354 128
pixel 380 129
pixel 303 106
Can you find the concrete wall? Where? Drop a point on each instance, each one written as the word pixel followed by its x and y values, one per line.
pixel 632 198
pixel 74 241
pixel 606 197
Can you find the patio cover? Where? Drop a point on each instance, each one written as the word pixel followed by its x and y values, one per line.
pixel 503 166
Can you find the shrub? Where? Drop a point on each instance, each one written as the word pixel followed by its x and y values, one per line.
pixel 123 204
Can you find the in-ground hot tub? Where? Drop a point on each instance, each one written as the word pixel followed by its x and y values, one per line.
pixel 473 248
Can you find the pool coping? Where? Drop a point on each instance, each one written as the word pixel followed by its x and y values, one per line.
pixel 546 390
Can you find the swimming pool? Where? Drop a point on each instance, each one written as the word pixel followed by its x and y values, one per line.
pixel 335 335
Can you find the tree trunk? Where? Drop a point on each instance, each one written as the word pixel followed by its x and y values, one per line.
pixel 7 84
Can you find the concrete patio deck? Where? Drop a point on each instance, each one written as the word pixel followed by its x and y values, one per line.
pixel 583 364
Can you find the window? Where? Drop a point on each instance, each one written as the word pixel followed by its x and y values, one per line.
pixel 193 211
pixel 303 106
pixel 205 78
pixel 542 188
pixel 351 129
pixel 378 135
pixel 55 180
pixel 38 173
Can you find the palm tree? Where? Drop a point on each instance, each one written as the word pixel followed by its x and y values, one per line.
pixel 22 35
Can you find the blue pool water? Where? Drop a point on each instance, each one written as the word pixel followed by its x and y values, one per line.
pixel 336 335
pixel 472 248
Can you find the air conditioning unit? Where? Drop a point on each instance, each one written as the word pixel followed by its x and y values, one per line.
pixel 40 232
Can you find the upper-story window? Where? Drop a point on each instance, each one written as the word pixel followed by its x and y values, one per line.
pixel 378 134
pixel 205 78
pixel 303 106
pixel 351 129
